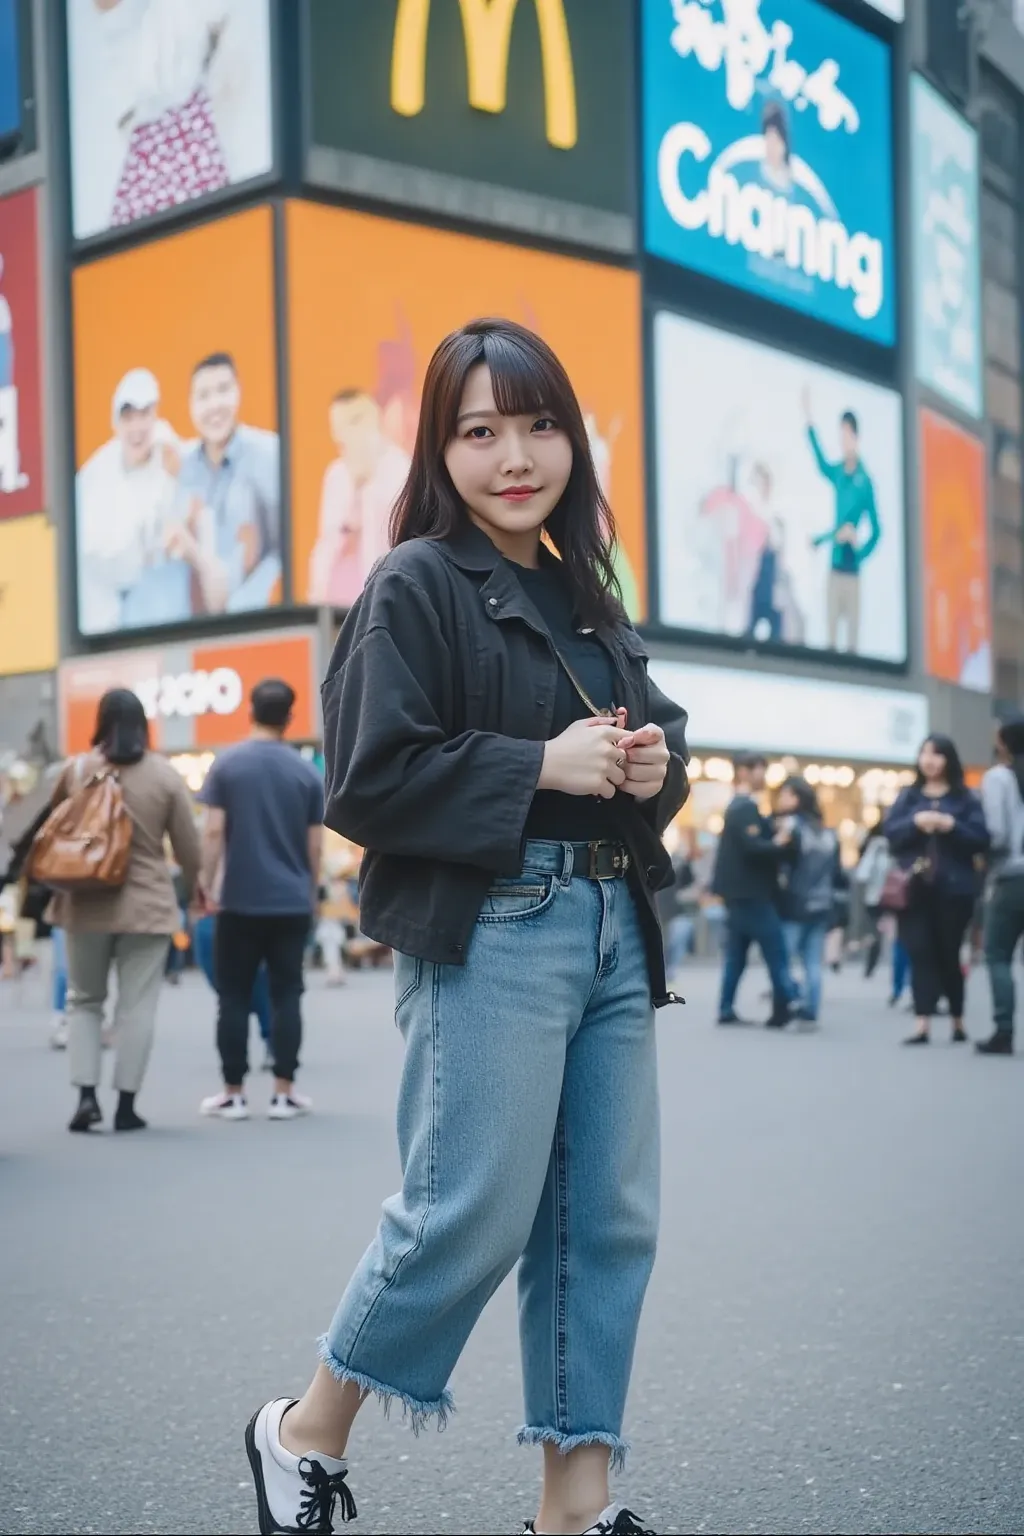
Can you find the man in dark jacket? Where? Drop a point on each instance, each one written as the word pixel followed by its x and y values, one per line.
pixel 746 878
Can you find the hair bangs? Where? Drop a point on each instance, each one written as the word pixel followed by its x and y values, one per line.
pixel 522 379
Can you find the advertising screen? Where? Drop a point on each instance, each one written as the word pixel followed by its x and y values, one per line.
pixel 170 101
pixel 947 249
pixel 780 497
pixel 178 489
pixel 359 349
pixel 768 154
pixel 958 621
pixel 21 445
pixel 10 75
pixel 509 112
pixel 196 694
pixel 28 595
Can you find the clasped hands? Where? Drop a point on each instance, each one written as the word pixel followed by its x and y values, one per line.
pixel 934 821
pixel 599 755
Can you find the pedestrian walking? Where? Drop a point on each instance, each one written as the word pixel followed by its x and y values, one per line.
pixel 128 927
pixel 872 867
pixel 494 743
pixel 261 874
pixel 937 831
pixel 1002 798
pixel 810 876
pixel 747 879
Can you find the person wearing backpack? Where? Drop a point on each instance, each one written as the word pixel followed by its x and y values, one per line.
pixel 127 925
pixel 1002 800
pixel 810 876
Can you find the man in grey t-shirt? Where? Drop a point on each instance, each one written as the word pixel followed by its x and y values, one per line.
pixel 264 823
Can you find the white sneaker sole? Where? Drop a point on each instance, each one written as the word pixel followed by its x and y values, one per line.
pixel 285 1112
pixel 231 1112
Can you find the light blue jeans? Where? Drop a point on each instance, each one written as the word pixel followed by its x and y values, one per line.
pixel 806 943
pixel 528 1131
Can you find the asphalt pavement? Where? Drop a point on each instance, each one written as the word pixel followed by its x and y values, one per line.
pixel 834 1338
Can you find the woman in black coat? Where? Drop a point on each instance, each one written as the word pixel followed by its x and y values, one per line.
pixel 936 831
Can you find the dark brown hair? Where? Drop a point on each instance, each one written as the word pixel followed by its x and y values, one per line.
pixel 526 376
pixel 122 730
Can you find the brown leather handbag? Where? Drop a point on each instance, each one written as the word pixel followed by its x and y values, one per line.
pixel 85 843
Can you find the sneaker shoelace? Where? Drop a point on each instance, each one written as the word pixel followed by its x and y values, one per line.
pixel 323 1490
pixel 626 1524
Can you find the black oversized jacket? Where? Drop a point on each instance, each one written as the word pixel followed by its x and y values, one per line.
pixel 437 704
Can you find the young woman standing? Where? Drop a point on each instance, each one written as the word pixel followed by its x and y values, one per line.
pixel 810 875
pixel 936 831
pixel 494 743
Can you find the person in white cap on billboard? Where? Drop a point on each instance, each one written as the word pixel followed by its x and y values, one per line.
pixel 124 494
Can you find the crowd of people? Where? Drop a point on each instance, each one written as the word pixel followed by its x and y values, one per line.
pixel 943 864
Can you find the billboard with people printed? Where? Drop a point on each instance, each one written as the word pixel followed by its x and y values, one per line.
pixel 368 301
pixel 779 497
pixel 170 101
pixel 178 486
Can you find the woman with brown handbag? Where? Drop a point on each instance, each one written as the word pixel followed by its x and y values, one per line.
pixel 936 830
pixel 127 926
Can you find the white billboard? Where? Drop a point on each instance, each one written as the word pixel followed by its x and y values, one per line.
pixel 779 497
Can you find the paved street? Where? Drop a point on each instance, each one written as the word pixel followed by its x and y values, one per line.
pixel 835 1334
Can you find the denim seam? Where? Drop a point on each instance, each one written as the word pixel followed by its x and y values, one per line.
pixel 562 1275
pixel 517 917
pixel 389 1282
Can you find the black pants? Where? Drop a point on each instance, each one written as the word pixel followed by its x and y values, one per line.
pixel 242 944
pixel 1004 925
pixel 932 930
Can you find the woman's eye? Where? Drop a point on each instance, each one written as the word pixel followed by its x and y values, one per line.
pixel 480 433
pixel 545 424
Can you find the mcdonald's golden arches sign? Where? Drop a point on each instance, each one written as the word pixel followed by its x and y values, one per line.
pixel 516 113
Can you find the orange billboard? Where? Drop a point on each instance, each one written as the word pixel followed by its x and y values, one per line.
pixel 28 595
pixel 958 620
pixel 196 694
pixel 178 484
pixel 368 301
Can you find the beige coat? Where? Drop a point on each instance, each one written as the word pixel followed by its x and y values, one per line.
pixel 159 805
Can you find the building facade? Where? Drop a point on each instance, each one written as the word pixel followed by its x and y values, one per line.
pixel 781 264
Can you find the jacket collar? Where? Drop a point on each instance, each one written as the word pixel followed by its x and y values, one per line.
pixel 470 548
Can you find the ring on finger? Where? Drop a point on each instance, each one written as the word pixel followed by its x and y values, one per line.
pixel 620 762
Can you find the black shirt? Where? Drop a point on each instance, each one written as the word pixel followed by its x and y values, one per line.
pixel 747 865
pixel 553 815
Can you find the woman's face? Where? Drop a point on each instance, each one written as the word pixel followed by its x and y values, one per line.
pixel 931 763
pixel 510 471
pixel 788 802
pixel 774 149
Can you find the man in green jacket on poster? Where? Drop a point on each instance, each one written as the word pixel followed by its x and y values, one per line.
pixel 855 499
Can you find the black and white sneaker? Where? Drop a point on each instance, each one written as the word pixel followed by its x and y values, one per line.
pixel 295 1493
pixel 613 1521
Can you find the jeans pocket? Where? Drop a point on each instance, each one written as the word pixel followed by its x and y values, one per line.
pixel 408 975
pixel 513 898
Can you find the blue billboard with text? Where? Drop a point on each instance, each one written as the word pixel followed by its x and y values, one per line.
pixel 768 154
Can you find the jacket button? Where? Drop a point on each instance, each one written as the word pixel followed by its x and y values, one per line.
pixel 652 873
pixel 456 949
pixel 493 601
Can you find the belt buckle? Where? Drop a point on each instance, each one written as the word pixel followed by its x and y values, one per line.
pixel 617 858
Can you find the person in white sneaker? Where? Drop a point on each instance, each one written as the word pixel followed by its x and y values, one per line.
pixel 260 875
pixel 512 835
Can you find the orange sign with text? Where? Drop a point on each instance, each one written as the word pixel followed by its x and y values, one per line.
pixel 196 696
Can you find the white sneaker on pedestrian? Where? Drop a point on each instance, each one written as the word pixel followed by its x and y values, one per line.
pixel 294 1493
pixel 59 1033
pixel 613 1521
pixel 287 1106
pixel 227 1106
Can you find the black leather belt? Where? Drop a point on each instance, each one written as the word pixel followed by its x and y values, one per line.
pixel 600 861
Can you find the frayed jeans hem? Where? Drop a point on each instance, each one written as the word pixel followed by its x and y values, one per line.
pixel 414 1410
pixel 532 1435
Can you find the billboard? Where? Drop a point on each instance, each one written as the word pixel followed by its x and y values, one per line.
pixel 21 445
pixel 28 595
pixel 768 154
pixel 196 693
pixel 178 486
pixel 169 102
pixel 10 75
pixel 779 497
pixel 359 349
pixel 947 249
pixel 958 619
pixel 509 112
